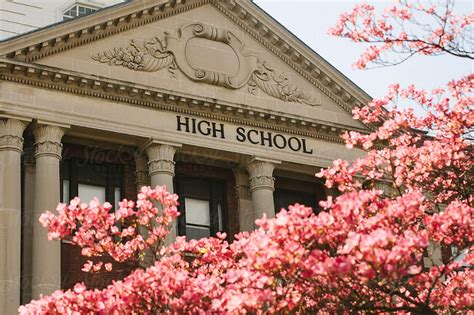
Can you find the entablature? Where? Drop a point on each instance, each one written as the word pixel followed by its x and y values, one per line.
pixel 139 95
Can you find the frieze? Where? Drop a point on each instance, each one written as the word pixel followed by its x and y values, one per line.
pixel 170 52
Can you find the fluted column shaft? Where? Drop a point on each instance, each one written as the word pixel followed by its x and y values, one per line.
pixel 262 185
pixel 46 260
pixel 11 146
pixel 161 170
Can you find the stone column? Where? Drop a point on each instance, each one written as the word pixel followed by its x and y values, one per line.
pixel 27 219
pixel 262 186
pixel 11 146
pixel 161 170
pixel 244 199
pixel 46 260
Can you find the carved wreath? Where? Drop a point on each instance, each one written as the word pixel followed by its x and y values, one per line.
pixel 169 52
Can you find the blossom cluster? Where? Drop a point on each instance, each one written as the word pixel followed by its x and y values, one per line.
pixel 120 234
pixel 363 251
pixel 405 29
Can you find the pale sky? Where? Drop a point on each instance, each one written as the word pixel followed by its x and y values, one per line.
pixel 309 20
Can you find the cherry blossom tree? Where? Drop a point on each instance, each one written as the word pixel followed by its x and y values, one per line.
pixel 407 29
pixel 370 250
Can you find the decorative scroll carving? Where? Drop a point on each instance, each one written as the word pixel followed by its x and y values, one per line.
pixel 266 79
pixel 150 57
pixel 170 52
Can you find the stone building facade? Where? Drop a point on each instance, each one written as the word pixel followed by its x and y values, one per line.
pixel 22 16
pixel 212 98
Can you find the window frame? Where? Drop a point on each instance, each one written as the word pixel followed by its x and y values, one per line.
pixel 70 171
pixel 313 190
pixel 217 195
pixel 76 7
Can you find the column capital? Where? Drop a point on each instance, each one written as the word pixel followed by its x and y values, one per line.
pixel 11 134
pixel 161 158
pixel 261 173
pixel 241 188
pixel 141 170
pixel 48 140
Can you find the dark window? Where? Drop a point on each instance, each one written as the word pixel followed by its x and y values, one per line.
pixel 89 180
pixel 202 206
pixel 285 198
pixel 291 191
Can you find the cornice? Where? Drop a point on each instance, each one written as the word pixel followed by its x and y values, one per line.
pixel 134 94
pixel 243 13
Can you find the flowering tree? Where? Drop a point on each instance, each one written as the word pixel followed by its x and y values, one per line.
pixel 368 251
pixel 407 29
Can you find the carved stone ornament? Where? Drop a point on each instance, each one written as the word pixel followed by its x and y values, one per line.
pixel 242 192
pixel 160 158
pixel 141 171
pixel 11 131
pixel 261 175
pixel 161 167
pixel 48 141
pixel 262 182
pixel 170 52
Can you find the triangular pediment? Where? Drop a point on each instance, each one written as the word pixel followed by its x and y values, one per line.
pixel 205 49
